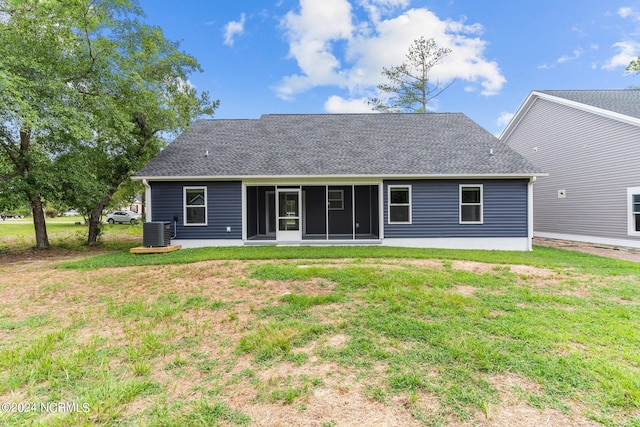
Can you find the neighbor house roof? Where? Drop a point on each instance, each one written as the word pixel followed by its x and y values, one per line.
pixel 433 144
pixel 623 101
pixel 618 104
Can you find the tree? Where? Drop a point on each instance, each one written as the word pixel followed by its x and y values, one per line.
pixel 90 90
pixel 36 95
pixel 142 92
pixel 634 66
pixel 409 84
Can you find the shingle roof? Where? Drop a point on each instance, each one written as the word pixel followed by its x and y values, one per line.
pixel 338 145
pixel 623 101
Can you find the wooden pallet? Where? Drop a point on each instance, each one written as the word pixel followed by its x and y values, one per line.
pixel 155 250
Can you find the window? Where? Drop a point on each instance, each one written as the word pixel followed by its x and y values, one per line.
pixel 195 205
pixel 471 204
pixel 633 197
pixel 399 204
pixel 336 200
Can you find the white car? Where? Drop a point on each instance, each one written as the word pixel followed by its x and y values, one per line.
pixel 123 217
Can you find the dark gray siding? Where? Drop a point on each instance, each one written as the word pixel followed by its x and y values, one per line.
pixel 435 209
pixel 224 208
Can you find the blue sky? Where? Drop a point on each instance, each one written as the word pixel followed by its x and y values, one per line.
pixel 325 56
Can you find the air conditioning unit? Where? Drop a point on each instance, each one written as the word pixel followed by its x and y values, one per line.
pixel 156 234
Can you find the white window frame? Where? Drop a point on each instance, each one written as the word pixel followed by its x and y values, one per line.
pixel 390 188
pixel 185 206
pixel 632 191
pixel 461 204
pixel 341 200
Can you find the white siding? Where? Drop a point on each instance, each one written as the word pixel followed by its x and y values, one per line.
pixel 593 158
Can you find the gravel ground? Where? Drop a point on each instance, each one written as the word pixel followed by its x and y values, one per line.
pixel 620 252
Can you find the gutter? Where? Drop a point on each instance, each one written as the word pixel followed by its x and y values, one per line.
pixel 147 200
pixel 334 177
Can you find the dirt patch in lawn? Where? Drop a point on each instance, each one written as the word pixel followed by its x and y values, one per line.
pixel 619 252
pixel 204 360
pixel 513 411
pixel 467 291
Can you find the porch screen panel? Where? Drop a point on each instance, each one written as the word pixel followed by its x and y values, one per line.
pixel 315 211
pixel 341 220
pixel 363 210
pixel 252 212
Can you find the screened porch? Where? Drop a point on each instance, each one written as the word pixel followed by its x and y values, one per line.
pixel 313 213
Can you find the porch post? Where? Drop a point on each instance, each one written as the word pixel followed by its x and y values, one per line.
pixel 353 212
pixel 147 201
pixel 381 221
pixel 326 211
pixel 530 212
pixel 244 211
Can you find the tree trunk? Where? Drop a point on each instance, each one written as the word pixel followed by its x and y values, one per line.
pixel 95 224
pixel 39 223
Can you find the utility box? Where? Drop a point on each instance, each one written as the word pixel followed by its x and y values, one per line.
pixel 156 234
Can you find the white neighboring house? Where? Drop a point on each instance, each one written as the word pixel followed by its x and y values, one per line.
pixel 589 143
pixel 136 205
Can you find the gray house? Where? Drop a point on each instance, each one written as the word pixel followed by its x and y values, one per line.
pixel 423 180
pixel 589 143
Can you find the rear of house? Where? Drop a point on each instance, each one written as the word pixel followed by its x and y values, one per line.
pixel 589 143
pixel 424 180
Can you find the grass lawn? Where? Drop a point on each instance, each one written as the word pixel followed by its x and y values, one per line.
pixel 64 232
pixel 323 336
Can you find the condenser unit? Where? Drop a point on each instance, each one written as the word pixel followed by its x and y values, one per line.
pixel 156 234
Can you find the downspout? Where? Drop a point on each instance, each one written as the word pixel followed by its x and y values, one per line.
pixel 530 212
pixel 147 197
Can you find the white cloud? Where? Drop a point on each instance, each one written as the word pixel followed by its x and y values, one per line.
pixel 577 53
pixel 310 34
pixel 576 29
pixel 233 29
pixel 504 118
pixel 378 8
pixel 627 52
pixel 338 105
pixel 332 50
pixel 625 12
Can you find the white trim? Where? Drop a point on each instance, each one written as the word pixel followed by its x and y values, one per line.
pixel 341 200
pixel 243 202
pixel 326 214
pixel 585 107
pixel 203 243
pixel 590 239
pixel 530 211
pixel 395 186
pixel 487 243
pixel 353 211
pixel 332 179
pixel 381 210
pixel 632 191
pixel 184 205
pixel 482 243
pixel 147 201
pixel 460 188
pixel 289 235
